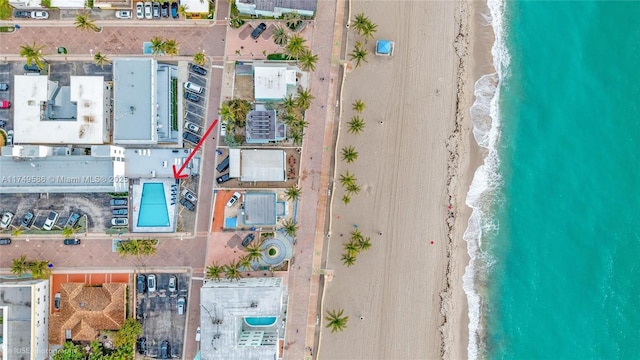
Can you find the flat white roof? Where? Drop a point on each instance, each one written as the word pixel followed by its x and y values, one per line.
pixel 196 6
pixel 270 82
pixel 262 165
pixel 31 127
pixel 68 4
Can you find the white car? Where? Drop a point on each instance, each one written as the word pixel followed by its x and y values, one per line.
pixel 119 221
pixel 140 10
pixel 6 220
pixel 189 195
pixel 147 10
pixel 51 220
pixel 151 283
pixel 223 129
pixel 234 199
pixel 42 15
pixel 193 87
pixel 192 127
pixel 123 14
pixel 181 304
pixel 10 137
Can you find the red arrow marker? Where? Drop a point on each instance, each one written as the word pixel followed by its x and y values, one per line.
pixel 177 174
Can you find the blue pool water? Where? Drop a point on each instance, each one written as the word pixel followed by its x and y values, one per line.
pixel 153 206
pixel 261 321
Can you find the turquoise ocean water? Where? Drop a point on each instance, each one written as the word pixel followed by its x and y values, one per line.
pixel 555 235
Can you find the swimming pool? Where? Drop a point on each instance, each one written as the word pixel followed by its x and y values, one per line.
pixel 262 321
pixel 153 206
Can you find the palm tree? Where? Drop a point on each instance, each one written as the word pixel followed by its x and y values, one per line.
pixel 300 124
pixel 16 232
pixel 365 244
pixel 360 22
pixel 296 137
pixel 337 322
pixel 199 58
pixel 346 199
pixel 292 19
pixel 101 59
pixel 68 231
pixel 40 269
pixel 232 271
pixel 33 54
pixel 254 251
pixel 289 103
pixel 358 106
pixel 291 119
pixel 214 270
pixel 280 36
pixel 293 193
pixel 245 263
pixel 347 178
pixel 356 125
pixel 369 31
pixel 290 227
pixel 349 154
pixel 182 10
pixel 20 266
pixel 348 259
pixel 170 47
pixel 304 98
pixel 352 247
pixel 235 21
pixel 84 23
pixel 353 188
pixel 157 45
pixel 308 61
pixel 359 54
pixel 295 47
pixel 356 235
pixel 226 113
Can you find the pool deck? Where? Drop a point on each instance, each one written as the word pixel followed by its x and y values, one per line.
pixel 136 198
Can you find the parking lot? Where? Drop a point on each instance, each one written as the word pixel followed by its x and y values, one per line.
pixel 158 312
pixel 195 112
pixel 96 207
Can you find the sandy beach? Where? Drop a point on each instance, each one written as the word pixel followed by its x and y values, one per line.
pixel 404 296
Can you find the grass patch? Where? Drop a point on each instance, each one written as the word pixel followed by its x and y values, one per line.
pixel 279 57
pixel 7 29
pixel 116 230
pixel 174 104
pixel 5 10
pixel 118 195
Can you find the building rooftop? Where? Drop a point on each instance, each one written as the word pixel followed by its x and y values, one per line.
pixel 150 163
pixel 260 208
pixel 271 82
pixel 261 165
pixel 262 126
pixel 82 110
pixel 196 6
pixel 270 5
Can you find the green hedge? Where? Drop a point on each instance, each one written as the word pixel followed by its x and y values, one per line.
pixel 174 104
pixel 279 57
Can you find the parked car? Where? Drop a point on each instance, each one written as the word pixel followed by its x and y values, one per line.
pixel 224 165
pixel 5 241
pixel 31 68
pixel 73 220
pixel 173 283
pixel 192 127
pixel 27 219
pixel 234 199
pixel 10 137
pixel 56 301
pixel 198 334
pixel 151 283
pixel 120 212
pixel 72 241
pixel 4 86
pixel 5 104
pixel 118 202
pixel 188 204
pixel 3 123
pixel 181 304
pixel 198 69
pixel 51 220
pixel 164 11
pixel 6 220
pixel 141 284
pixel 248 239
pixel 191 96
pixel 223 179
pixel 156 10
pixel 191 137
pixel 140 10
pixel 189 195
pixel 255 34
pixel 223 129
pixel 147 10
pixel 22 14
pixel 123 14
pixel 193 87
pixel 174 10
pixel 142 345
pixel 41 15
pixel 119 222
pixel 165 350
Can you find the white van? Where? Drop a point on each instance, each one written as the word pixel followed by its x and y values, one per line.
pixel 193 87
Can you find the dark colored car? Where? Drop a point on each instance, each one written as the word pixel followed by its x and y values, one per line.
pixel 27 219
pixel 165 9
pixel 56 301
pixel 117 212
pixel 248 239
pixel 5 241
pixel 188 204
pixel 223 166
pixel 22 14
pixel 2 123
pixel 258 30
pixel 118 202
pixel 31 68
pixel 223 179
pixel 72 241
pixel 191 96
pixel 165 350
pixel 198 69
pixel 174 10
pixel 191 137
pixel 73 220
pixel 141 283
pixel 142 345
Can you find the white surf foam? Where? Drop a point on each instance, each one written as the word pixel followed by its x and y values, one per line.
pixel 481 195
